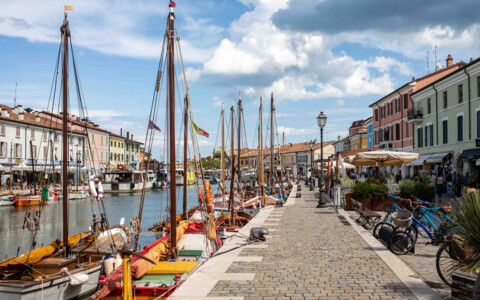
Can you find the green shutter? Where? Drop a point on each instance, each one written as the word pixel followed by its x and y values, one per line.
pixel 445 131
pixel 431 135
pixel 478 124
pixel 460 128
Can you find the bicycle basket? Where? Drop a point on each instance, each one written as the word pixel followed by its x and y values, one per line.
pixel 402 218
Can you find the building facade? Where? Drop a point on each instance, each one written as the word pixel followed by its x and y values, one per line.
pixel 117 152
pixel 446 118
pixel 369 124
pixel 391 129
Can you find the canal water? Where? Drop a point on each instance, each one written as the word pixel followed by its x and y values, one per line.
pixel 12 235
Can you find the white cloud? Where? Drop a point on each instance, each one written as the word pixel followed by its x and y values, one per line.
pixel 113 27
pixel 294 131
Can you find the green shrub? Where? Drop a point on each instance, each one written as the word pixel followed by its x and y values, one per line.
pixel 378 192
pixel 361 190
pixel 407 187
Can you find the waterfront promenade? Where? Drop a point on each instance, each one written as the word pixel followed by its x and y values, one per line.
pixel 311 253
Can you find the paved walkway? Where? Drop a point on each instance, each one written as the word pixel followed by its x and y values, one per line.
pixel 311 253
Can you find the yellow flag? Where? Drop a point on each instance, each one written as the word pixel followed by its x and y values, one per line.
pixel 68 7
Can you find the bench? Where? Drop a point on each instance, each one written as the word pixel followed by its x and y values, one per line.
pixel 369 217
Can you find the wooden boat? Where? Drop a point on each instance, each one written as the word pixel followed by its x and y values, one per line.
pixel 7 199
pixel 33 199
pixel 59 270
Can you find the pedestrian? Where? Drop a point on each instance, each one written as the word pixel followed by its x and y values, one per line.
pixel 472 182
pixel 466 178
pixel 24 181
pixel 459 185
pixel 449 180
pixel 440 186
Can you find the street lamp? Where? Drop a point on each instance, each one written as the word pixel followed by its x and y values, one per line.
pixel 311 144
pixel 321 120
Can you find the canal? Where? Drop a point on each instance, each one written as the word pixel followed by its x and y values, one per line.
pixel 13 236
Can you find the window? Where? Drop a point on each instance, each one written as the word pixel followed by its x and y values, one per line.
pixel 397 131
pixel 86 154
pixel 115 143
pixel 2 129
pixel 478 124
pixel 122 145
pixel 445 131
pixel 429 106
pixel 32 134
pixel 405 101
pixel 478 86
pixel 101 140
pixel 111 144
pixel 460 128
pixel 390 133
pixel 101 154
pixel 427 136
pixel 407 133
pixel 3 149
pixel 45 152
pixel 419 137
pixel 445 99
pixel 45 136
pixel 93 138
pixel 126 146
pixel 460 93
pixel 376 117
pixel 18 150
pixel 17 131
pixel 122 157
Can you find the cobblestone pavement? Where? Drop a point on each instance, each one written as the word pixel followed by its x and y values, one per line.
pixel 423 263
pixel 313 254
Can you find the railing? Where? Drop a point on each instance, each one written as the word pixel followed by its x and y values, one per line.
pixel 415 114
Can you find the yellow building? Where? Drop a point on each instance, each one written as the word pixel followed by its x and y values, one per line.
pixel 117 152
pixel 358 140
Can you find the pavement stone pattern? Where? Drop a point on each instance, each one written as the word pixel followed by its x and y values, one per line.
pixel 313 254
pixel 423 263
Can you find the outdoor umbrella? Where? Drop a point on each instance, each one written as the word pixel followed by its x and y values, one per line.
pixel 383 158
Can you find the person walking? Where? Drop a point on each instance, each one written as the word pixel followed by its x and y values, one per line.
pixel 449 180
pixel 459 185
pixel 440 186
pixel 466 178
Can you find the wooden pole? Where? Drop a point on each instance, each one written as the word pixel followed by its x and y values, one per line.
pixel 185 169
pixel 171 131
pixel 262 197
pixel 223 155
pixel 271 182
pixel 11 167
pixel 65 35
pixel 232 165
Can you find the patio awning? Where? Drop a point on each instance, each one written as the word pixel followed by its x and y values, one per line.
pixel 419 161
pixel 436 157
pixel 470 154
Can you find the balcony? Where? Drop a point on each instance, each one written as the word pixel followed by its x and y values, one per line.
pixel 415 114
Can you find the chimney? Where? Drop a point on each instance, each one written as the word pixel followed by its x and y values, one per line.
pixel 449 61
pixel 121 131
pixel 128 135
pixel 131 137
pixel 471 59
pixel 20 117
pixel 338 137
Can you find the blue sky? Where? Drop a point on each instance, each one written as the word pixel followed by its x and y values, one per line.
pixel 315 55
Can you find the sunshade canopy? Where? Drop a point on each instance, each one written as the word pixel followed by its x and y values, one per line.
pixel 383 158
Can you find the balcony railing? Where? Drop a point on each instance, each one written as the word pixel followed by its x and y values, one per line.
pixel 415 114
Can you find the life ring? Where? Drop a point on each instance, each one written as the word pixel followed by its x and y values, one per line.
pixel 95 185
pixel 200 195
pixel 121 167
pixel 208 196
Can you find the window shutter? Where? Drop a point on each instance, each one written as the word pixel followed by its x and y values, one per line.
pixel 478 124
pixel 431 135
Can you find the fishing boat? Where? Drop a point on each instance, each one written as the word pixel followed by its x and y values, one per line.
pixel 7 199
pixel 180 178
pixel 64 269
pixel 34 198
pixel 128 181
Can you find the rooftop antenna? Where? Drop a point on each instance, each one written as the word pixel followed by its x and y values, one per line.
pixel 428 62
pixel 436 60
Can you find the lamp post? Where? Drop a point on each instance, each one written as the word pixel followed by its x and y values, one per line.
pixel 311 144
pixel 321 120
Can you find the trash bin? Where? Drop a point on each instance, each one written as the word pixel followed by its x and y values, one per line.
pixel 337 196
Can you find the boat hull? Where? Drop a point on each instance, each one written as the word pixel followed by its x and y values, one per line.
pixel 59 288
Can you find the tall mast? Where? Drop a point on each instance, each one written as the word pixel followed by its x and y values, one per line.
pixel 33 168
pixel 239 113
pixel 223 155
pixel 65 35
pixel 283 154
pixel 271 146
pixel 11 166
pixel 261 153
pixel 232 165
pixel 171 100
pixel 185 149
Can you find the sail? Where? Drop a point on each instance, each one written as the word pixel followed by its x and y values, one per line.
pixel 30 257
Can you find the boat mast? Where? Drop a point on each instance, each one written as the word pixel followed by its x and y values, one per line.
pixel 239 112
pixel 185 149
pixel 171 100
pixel 11 167
pixel 223 154
pixel 271 146
pixel 33 169
pixel 283 155
pixel 261 153
pixel 65 30
pixel 232 165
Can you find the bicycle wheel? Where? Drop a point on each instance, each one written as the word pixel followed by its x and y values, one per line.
pixel 379 226
pixel 446 265
pixel 402 240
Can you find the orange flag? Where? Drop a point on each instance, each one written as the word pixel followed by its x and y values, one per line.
pixel 68 7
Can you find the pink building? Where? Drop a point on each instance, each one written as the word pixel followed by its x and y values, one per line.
pixel 391 130
pixel 98 139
